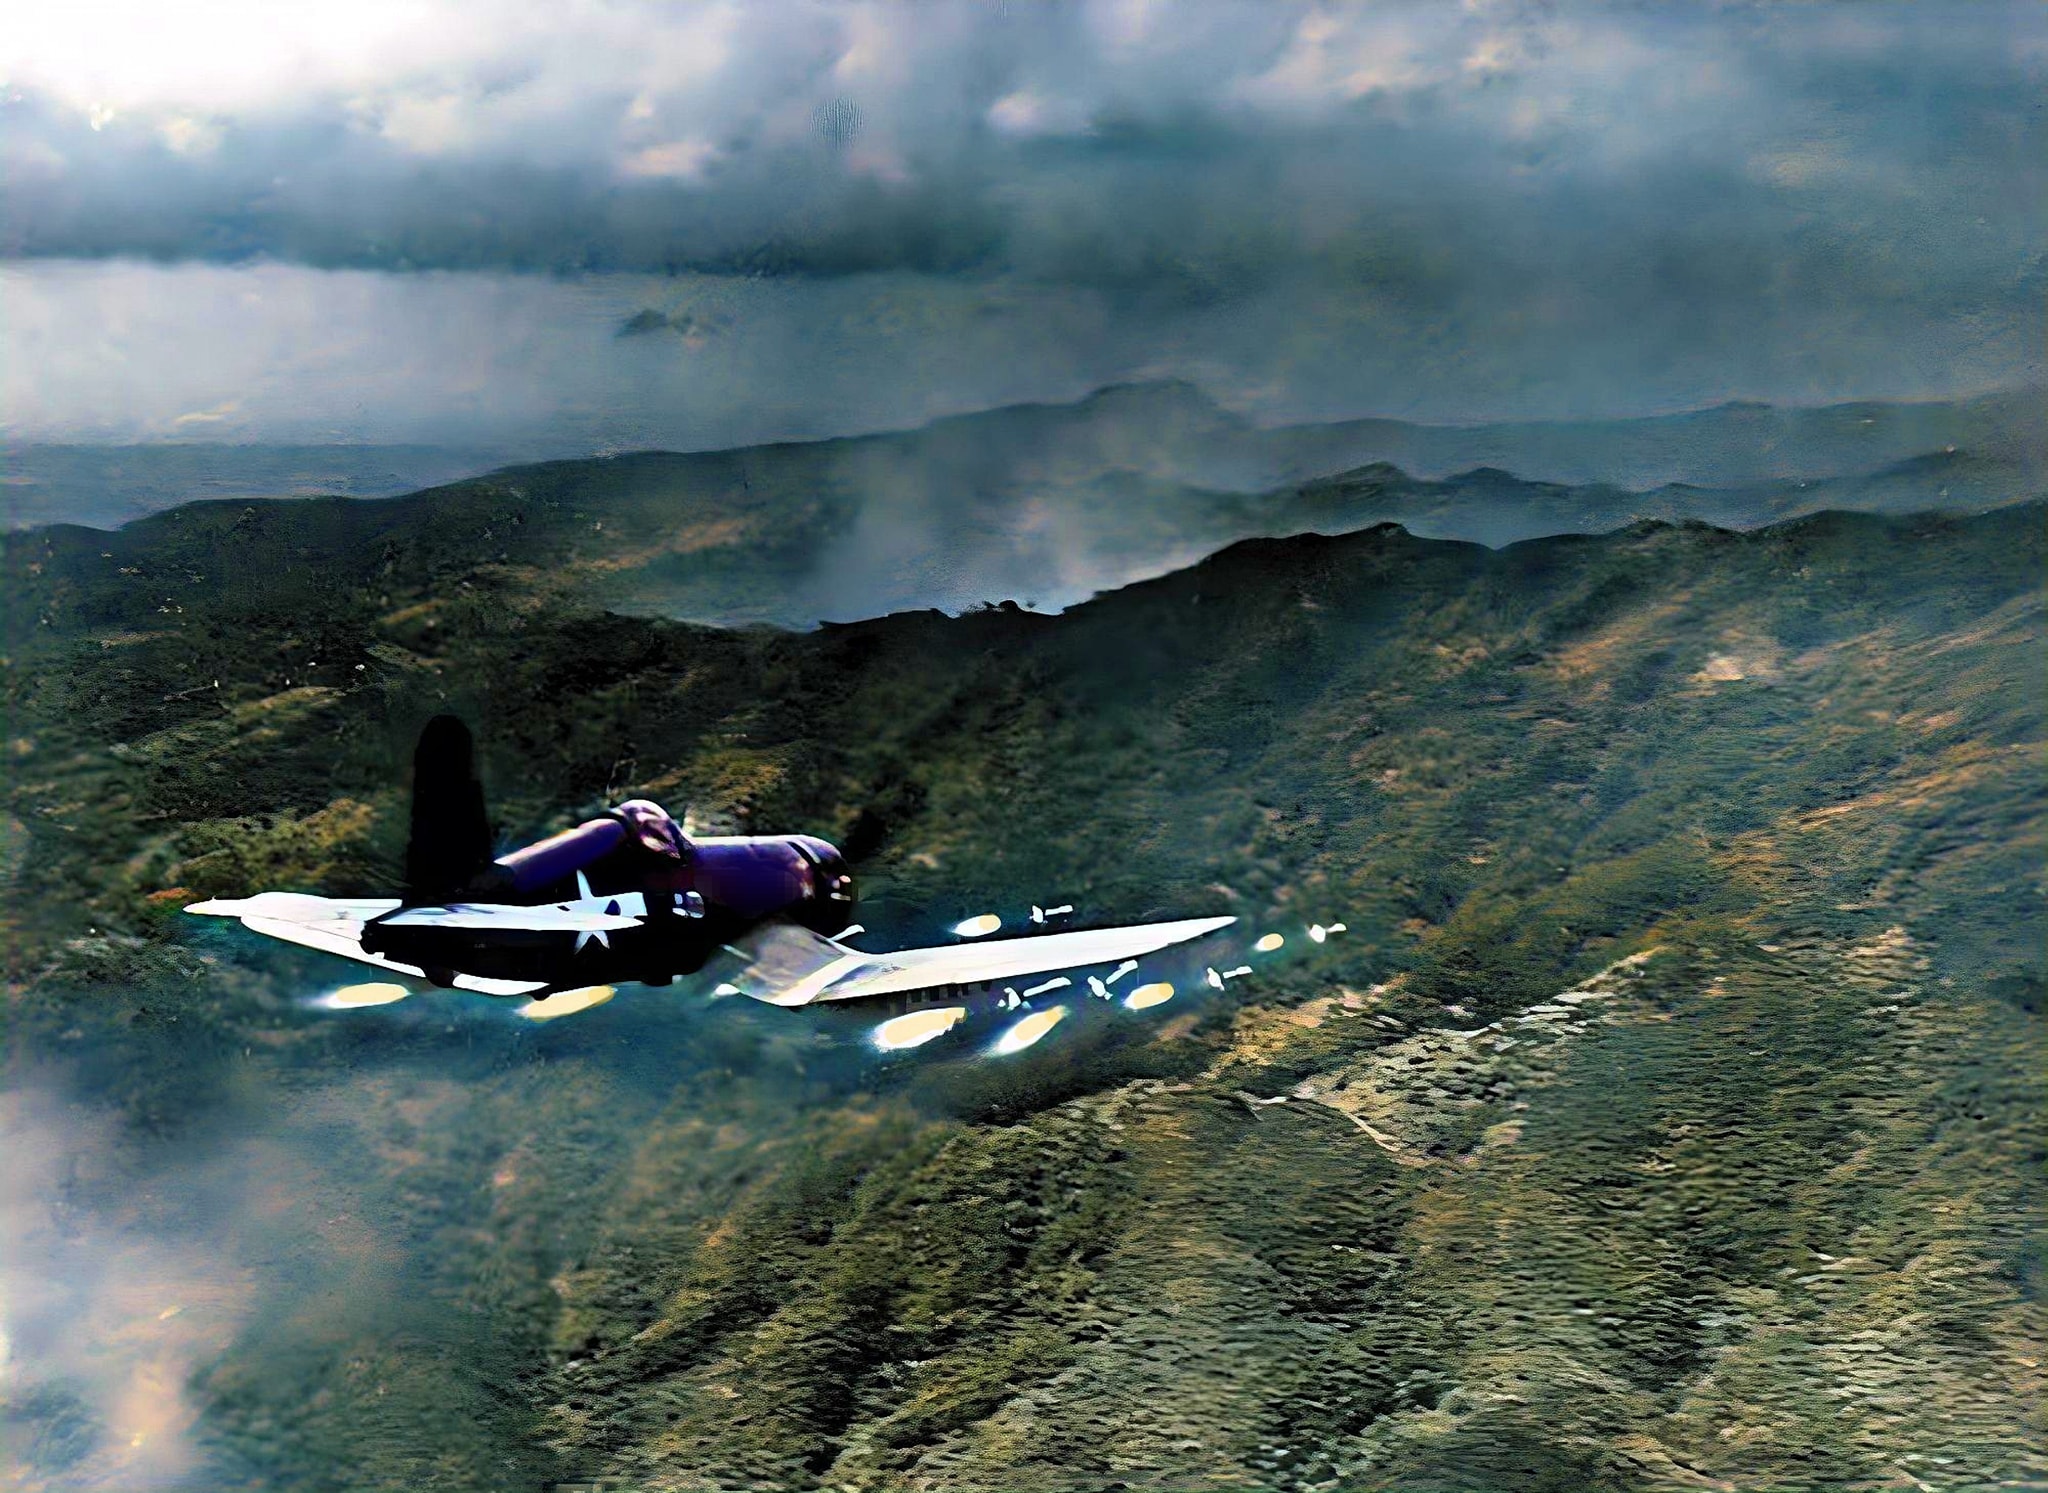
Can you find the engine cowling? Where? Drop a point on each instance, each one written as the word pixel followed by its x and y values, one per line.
pixel 758 876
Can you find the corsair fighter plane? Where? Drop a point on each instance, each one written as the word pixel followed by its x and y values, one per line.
pixel 627 896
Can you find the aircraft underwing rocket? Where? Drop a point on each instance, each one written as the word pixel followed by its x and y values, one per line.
pixel 627 896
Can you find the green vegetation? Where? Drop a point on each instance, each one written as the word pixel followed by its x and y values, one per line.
pixel 1737 837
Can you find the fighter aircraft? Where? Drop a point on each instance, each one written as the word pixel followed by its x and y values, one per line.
pixel 627 896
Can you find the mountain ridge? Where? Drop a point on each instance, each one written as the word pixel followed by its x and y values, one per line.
pixel 797 534
pixel 1168 430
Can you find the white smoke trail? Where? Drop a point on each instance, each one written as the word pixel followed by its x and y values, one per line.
pixel 102 1320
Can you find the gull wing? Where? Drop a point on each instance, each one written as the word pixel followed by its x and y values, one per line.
pixel 518 919
pixel 852 975
pixel 335 926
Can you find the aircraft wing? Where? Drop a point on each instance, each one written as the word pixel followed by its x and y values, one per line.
pixel 518 918
pixel 841 974
pixel 335 926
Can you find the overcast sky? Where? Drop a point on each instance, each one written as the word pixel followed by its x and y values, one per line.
pixel 567 224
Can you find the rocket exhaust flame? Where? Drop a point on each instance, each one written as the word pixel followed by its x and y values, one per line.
pixel 1028 1031
pixel 353 997
pixel 567 1003
pixel 914 1029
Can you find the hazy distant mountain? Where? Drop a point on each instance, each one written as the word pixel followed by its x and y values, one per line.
pixel 1045 505
pixel 1173 430
pixel 1044 454
pixel 1496 507
pixel 1729 445
pixel 102 486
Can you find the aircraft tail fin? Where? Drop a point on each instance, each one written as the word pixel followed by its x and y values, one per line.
pixel 451 836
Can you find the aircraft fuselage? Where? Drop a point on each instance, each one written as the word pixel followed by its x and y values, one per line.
pixel 690 897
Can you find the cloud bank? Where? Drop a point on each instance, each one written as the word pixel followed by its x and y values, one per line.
pixel 1455 212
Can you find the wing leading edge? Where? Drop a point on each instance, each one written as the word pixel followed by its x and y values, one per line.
pixel 853 975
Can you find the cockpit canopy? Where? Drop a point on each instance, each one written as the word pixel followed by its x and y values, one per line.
pixel 654 827
pixel 624 835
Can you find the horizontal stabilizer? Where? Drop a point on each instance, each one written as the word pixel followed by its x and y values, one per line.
pixel 298 907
